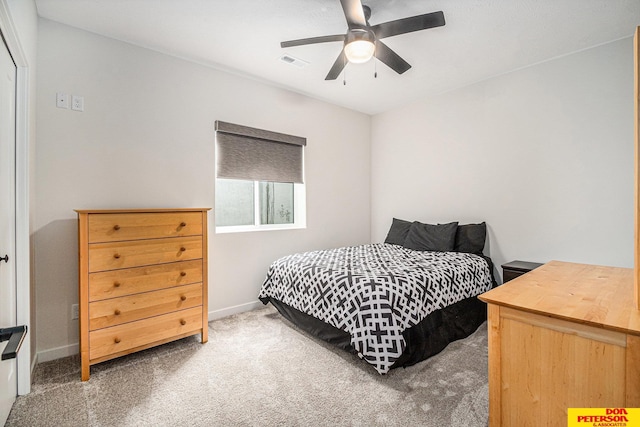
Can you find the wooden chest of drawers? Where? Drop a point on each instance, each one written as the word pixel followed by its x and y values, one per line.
pixel 142 280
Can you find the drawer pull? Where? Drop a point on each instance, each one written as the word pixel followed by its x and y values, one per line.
pixel 116 284
pixel 116 340
pixel 183 322
pixel 116 227
pixel 117 312
pixel 182 249
pixel 183 273
pixel 116 256
pixel 183 224
pixel 183 298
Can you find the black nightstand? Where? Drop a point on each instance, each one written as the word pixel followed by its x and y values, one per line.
pixel 513 269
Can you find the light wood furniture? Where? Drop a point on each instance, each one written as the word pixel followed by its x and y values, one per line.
pixel 636 124
pixel 562 336
pixel 142 280
pixel 514 269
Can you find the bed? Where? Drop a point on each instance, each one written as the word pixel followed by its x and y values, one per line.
pixel 394 303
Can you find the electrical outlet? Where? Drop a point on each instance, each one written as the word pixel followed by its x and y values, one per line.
pixel 77 103
pixel 62 100
pixel 74 312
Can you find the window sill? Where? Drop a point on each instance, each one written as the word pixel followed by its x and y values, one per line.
pixel 252 228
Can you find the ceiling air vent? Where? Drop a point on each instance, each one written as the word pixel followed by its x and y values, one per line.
pixel 292 60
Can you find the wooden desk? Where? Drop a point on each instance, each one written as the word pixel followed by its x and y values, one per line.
pixel 562 336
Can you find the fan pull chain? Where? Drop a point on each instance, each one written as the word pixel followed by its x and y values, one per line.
pixel 344 70
pixel 375 62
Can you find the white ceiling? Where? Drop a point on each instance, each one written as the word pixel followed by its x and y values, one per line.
pixel 481 39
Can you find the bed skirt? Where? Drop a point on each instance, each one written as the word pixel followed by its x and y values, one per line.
pixel 427 338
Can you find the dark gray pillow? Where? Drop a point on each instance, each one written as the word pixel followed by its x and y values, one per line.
pixel 398 232
pixel 470 238
pixel 428 237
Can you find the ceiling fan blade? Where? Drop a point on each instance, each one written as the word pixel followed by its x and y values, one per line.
pixel 390 58
pixel 354 13
pixel 408 25
pixel 313 40
pixel 337 67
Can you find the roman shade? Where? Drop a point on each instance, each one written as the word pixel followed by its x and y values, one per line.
pixel 258 155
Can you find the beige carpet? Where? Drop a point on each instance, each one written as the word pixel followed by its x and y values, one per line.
pixel 258 370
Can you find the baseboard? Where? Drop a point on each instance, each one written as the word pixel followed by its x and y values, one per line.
pixel 71 349
pixel 58 352
pixel 34 362
pixel 224 312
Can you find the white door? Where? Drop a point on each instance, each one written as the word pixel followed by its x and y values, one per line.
pixel 8 375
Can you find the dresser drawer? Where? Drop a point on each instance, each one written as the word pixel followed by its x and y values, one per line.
pixel 118 283
pixel 137 253
pixel 128 336
pixel 112 227
pixel 115 311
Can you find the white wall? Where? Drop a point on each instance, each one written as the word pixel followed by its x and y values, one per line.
pixel 544 155
pixel 146 139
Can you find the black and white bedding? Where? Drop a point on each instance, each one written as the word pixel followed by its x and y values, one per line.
pixel 375 292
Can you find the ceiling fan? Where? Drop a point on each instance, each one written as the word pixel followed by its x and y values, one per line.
pixel 363 41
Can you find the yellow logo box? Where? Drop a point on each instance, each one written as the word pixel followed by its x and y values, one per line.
pixel 603 417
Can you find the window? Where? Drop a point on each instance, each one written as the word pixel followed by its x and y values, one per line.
pixel 259 180
pixel 254 205
pixel 276 202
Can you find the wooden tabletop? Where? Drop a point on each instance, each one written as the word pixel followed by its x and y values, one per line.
pixel 589 294
pixel 139 210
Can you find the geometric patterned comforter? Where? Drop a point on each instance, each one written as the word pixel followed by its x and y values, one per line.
pixel 375 292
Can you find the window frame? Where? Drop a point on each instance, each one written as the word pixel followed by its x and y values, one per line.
pixel 299 217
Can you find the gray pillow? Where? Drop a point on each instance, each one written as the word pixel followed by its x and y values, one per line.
pixel 470 238
pixel 398 232
pixel 429 237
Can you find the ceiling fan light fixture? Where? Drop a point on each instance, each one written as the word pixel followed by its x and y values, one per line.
pixel 359 51
pixel 359 46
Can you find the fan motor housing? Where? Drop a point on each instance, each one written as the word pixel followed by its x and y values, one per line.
pixel 359 34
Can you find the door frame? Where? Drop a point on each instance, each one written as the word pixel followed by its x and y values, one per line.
pixel 23 247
